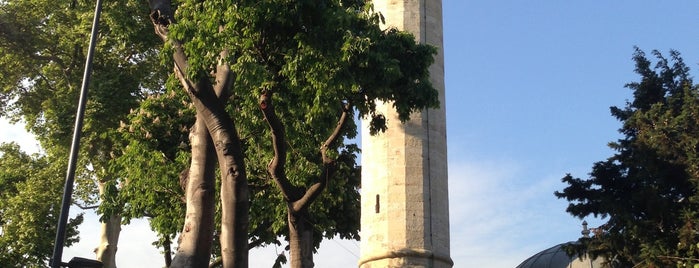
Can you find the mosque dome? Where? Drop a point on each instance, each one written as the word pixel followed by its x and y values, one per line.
pixel 556 257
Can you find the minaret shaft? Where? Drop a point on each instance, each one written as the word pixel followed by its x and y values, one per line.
pixel 405 206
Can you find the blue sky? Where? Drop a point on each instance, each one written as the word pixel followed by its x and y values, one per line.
pixel 529 85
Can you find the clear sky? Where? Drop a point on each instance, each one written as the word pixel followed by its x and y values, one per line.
pixel 529 85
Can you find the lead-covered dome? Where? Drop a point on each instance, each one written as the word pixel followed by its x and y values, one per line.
pixel 556 257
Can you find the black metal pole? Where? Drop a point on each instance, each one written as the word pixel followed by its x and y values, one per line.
pixel 56 259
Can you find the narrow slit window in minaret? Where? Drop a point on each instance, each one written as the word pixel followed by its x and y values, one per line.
pixel 378 208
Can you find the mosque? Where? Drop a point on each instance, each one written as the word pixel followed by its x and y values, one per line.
pixel 556 257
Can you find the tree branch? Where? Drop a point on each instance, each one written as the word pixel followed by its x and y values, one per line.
pixel 218 262
pixel 83 207
pixel 255 243
pixel 161 16
pixel 277 167
pixel 334 135
pixel 328 165
pixel 224 75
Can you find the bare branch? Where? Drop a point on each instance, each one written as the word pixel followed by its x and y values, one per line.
pixel 84 207
pixel 334 135
pixel 224 75
pixel 328 165
pixel 277 167
pixel 161 16
pixel 224 78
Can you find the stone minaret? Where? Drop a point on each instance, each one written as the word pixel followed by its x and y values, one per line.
pixel 405 205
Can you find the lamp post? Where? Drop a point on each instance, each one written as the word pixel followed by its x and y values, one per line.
pixel 56 259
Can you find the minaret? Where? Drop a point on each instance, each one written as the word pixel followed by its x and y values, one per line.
pixel 405 204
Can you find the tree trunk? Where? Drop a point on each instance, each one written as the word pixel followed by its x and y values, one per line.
pixel 167 252
pixel 109 237
pixel 194 248
pixel 298 200
pixel 234 186
pixel 234 190
pixel 300 239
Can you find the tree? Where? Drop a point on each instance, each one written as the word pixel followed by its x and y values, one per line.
pixel 316 62
pixel 42 51
pixel 30 198
pixel 648 189
pixel 152 160
pixel 207 98
pixel 308 66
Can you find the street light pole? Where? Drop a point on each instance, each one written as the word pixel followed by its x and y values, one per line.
pixel 56 259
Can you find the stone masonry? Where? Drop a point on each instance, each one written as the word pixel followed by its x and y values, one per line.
pixel 405 204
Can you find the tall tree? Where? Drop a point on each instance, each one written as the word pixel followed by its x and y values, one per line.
pixel 309 67
pixel 30 197
pixel 209 100
pixel 42 51
pixel 318 62
pixel 648 189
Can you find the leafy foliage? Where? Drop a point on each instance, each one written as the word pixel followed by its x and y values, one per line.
pixel 317 60
pixel 325 52
pixel 152 160
pixel 648 189
pixel 42 51
pixel 315 56
pixel 30 198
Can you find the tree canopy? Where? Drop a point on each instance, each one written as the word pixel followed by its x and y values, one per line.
pixel 320 64
pixel 30 198
pixel 647 190
pixel 42 54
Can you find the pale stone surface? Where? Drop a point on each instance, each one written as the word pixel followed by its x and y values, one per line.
pixel 405 205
